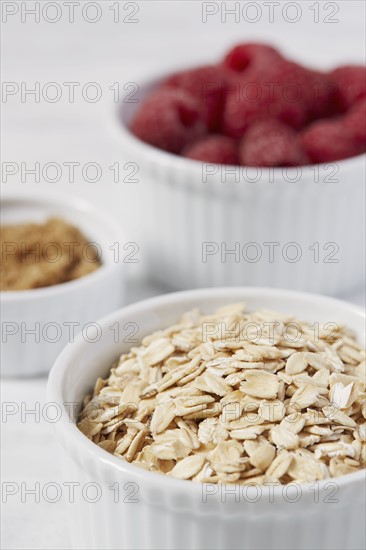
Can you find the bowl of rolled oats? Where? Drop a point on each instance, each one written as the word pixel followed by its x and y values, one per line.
pixel 203 416
pixel 58 276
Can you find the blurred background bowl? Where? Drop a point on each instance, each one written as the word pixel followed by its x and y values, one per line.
pixel 213 225
pixel 38 323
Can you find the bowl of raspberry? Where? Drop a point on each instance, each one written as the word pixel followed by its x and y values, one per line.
pixel 253 171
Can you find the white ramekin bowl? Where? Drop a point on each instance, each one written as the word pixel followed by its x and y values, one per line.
pixel 36 324
pixel 120 506
pixel 212 225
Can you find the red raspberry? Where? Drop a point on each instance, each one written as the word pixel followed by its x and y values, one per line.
pixel 350 82
pixel 244 104
pixel 355 122
pixel 282 91
pixel 207 85
pixel 322 103
pixel 292 93
pixel 169 120
pixel 243 56
pixel 217 149
pixel 270 143
pixel 328 140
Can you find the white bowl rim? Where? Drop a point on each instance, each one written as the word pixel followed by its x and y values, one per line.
pixel 74 203
pixel 195 166
pixel 95 453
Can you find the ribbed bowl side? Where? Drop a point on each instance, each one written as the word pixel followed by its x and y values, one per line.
pixel 221 233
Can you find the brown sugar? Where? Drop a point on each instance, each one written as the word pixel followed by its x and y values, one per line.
pixel 35 255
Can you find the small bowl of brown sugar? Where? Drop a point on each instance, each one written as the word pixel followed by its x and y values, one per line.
pixel 36 255
pixel 58 275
